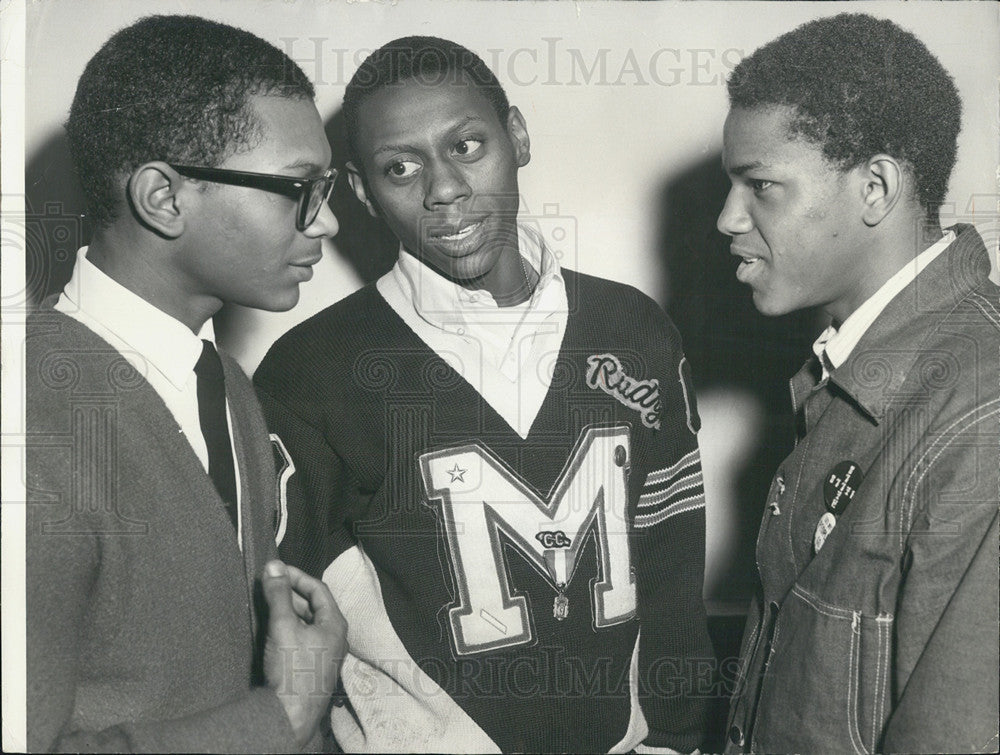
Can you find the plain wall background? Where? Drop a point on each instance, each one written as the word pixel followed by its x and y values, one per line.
pixel 624 104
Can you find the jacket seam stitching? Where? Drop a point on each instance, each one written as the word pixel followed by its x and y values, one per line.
pixel 791 506
pixel 909 489
pixel 986 307
pixel 822 606
pixel 989 746
pixel 853 686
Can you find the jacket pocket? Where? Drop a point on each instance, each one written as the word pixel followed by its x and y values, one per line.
pixel 826 684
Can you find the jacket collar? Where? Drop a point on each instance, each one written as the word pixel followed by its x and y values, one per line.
pixel 879 364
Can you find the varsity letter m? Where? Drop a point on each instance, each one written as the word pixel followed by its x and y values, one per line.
pixel 480 497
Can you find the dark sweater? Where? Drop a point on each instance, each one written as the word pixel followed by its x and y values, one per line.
pixel 140 620
pixel 395 453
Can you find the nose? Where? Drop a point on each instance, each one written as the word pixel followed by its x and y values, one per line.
pixel 734 218
pixel 445 184
pixel 325 225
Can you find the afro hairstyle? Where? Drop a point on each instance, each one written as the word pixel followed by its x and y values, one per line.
pixel 860 86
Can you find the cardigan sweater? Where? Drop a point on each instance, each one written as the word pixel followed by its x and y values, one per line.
pixel 538 594
pixel 140 606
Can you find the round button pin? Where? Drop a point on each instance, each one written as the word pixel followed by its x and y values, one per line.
pixel 841 485
pixel 621 456
pixel 736 735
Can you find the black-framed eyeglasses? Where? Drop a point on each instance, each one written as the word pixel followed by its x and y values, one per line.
pixel 309 193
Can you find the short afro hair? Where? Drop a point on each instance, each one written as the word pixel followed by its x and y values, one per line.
pixel 172 88
pixel 428 60
pixel 860 86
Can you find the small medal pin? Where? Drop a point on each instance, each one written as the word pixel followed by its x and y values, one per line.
pixel 560 606
pixel 826 524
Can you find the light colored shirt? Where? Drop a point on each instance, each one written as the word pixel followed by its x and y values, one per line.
pixel 834 345
pixel 162 349
pixel 507 354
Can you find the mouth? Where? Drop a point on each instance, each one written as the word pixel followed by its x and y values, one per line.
pixel 454 231
pixel 308 261
pixel 744 254
pixel 459 237
pixel 750 263
pixel 304 267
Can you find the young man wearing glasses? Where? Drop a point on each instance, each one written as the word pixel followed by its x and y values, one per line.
pixel 492 460
pixel 150 476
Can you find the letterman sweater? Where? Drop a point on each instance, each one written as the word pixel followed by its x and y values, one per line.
pixel 538 594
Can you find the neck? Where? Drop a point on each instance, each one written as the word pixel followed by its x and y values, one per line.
pixel 143 268
pixel 888 250
pixel 511 281
pixel 526 282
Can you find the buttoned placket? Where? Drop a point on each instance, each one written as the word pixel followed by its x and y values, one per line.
pixel 805 387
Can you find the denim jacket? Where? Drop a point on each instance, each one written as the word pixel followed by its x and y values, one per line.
pixel 886 638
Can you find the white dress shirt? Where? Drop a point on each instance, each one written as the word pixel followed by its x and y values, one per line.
pixel 837 344
pixel 507 354
pixel 162 349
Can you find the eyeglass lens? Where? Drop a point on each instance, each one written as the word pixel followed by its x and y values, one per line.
pixel 318 194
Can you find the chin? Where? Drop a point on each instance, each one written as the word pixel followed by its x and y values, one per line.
pixel 277 302
pixel 469 273
pixel 770 308
pixel 465 269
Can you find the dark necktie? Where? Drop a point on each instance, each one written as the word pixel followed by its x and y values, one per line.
pixel 215 427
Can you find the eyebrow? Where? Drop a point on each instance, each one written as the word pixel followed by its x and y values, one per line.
pixel 406 148
pixel 740 170
pixel 307 165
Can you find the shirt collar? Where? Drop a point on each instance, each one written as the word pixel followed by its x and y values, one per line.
pixel 164 342
pixel 441 302
pixel 834 345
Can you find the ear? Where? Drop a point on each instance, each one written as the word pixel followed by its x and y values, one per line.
pixel 884 183
pixel 357 181
pixel 518 133
pixel 153 191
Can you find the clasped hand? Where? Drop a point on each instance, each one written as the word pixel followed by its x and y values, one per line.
pixel 306 642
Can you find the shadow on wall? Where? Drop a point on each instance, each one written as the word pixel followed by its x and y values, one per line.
pixel 741 362
pixel 366 243
pixel 55 226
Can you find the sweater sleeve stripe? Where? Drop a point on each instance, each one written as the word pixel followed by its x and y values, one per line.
pixel 668 474
pixel 678 507
pixel 692 480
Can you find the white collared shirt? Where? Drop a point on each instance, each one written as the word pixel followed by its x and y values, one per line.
pixel 834 345
pixel 162 349
pixel 508 354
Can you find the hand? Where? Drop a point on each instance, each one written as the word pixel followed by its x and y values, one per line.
pixel 306 642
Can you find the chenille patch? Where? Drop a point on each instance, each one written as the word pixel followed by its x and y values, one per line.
pixel 604 371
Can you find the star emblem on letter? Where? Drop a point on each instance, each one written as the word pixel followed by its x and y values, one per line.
pixel 457 473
